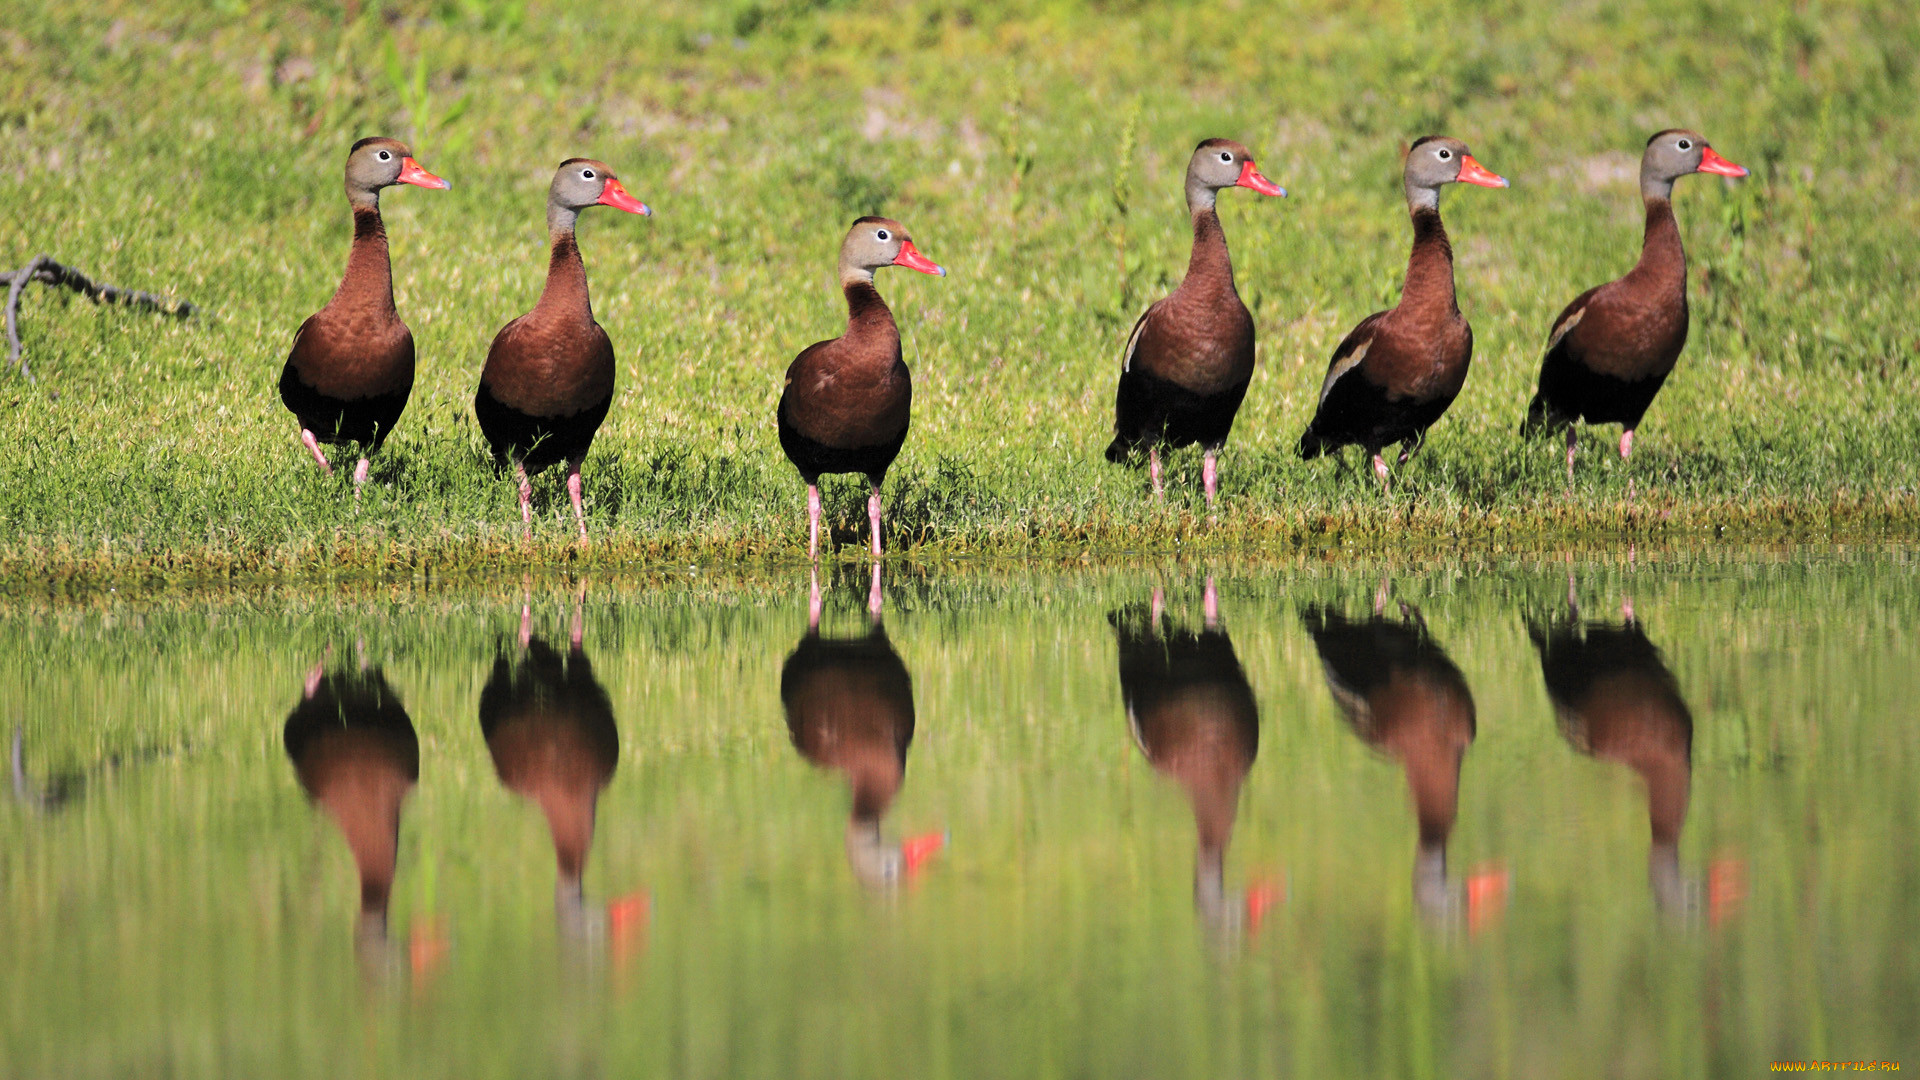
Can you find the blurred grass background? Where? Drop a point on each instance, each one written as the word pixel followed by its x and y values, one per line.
pixel 1034 148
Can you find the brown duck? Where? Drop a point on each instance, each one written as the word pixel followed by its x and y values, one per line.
pixel 1403 696
pixel 1190 356
pixel 355 752
pixel 351 369
pixel 849 706
pixel 847 402
pixel 1616 700
pixel 549 727
pixel 1193 715
pixel 549 377
pixel 1395 374
pixel 1614 346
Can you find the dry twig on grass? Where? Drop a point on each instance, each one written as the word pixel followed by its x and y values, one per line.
pixel 44 270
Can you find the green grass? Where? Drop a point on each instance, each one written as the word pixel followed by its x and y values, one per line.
pixel 1033 148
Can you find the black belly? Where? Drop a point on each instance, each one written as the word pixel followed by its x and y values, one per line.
pixel 1571 391
pixel 1149 410
pixel 815 459
pixel 337 422
pixel 1357 412
pixel 536 441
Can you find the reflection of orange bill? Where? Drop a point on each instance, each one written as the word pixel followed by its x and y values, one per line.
pixel 1486 897
pixel 1726 888
pixel 915 850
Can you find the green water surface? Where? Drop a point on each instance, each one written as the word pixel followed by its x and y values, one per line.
pixel 1425 820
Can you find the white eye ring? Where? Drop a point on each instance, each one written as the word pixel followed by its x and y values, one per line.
pixel 1685 144
pixel 1445 154
pixel 385 156
pixel 883 235
pixel 586 174
pixel 1226 156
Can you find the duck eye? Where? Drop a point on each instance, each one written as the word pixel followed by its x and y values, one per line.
pixel 586 174
pixel 1225 156
pixel 883 235
pixel 1686 144
pixel 385 156
pixel 1445 154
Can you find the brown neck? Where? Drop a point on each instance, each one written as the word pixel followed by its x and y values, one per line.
pixel 1429 284
pixel 368 282
pixel 1663 262
pixel 566 289
pixel 1209 265
pixel 867 314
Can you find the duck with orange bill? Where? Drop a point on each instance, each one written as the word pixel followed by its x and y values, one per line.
pixel 1611 350
pixel 1396 373
pixel 1189 359
pixel 350 372
pixel 848 401
pixel 548 381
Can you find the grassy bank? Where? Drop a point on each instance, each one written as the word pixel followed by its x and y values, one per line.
pixel 1034 149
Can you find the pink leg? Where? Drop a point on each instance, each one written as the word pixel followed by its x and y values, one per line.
pixel 814 602
pixel 873 595
pixel 1573 440
pixel 813 522
pixel 1158 607
pixel 873 519
pixel 1626 443
pixel 526 497
pixel 1626 608
pixel 1209 474
pixel 313 447
pixel 526 624
pixel 359 476
pixel 573 493
pixel 577 632
pixel 1210 604
pixel 1380 469
pixel 314 676
pixel 1380 594
pixel 1153 472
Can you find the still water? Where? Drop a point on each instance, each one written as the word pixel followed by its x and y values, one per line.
pixel 1647 816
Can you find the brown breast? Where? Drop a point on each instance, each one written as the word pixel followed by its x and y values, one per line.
pixel 550 364
pixel 854 391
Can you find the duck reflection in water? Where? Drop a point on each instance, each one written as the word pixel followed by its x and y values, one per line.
pixel 1617 701
pixel 354 750
pixel 1193 716
pixel 849 706
pixel 550 730
pixel 1403 696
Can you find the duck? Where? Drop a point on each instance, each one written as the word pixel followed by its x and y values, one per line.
pixel 1615 699
pixel 1394 375
pixel 548 380
pixel 1189 358
pixel 849 708
pixel 1401 694
pixel 549 728
pixel 847 402
pixel 1193 716
pixel 355 753
pixel 1613 347
pixel 350 372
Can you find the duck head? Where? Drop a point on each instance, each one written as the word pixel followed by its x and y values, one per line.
pixel 1223 163
pixel 1675 153
pixel 583 182
pixel 874 242
pixel 1434 161
pixel 380 162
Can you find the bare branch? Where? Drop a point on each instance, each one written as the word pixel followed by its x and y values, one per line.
pixel 44 270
